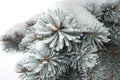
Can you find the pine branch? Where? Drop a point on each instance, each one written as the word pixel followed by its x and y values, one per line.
pixel 110 12
pixel 44 62
pixel 11 43
pixel 58 48
pixel 57 29
pixel 111 62
pixel 96 36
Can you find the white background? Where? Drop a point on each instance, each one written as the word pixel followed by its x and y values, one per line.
pixel 12 12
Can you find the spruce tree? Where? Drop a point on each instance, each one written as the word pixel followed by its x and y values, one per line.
pixel 60 47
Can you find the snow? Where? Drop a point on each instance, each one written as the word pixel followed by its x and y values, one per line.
pixel 81 14
pixel 20 27
pixel 16 11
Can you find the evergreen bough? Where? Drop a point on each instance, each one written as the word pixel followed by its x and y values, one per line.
pixel 58 48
